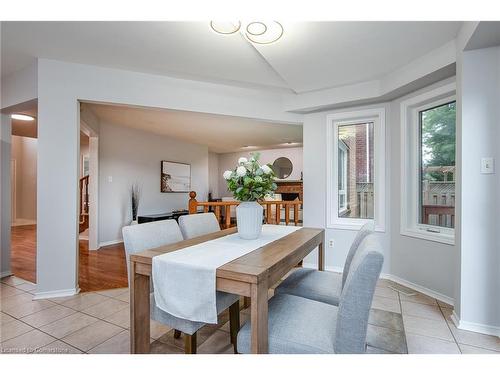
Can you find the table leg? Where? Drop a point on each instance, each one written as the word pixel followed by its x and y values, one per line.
pixel 139 312
pixel 321 255
pixel 259 322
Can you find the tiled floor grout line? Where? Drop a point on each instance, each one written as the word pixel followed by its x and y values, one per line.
pixel 403 321
pixel 154 340
pixel 39 330
pixel 442 310
pixel 74 312
pixel 451 331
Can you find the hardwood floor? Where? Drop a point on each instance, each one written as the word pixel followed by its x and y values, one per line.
pixel 102 269
pixel 23 252
pixel 98 270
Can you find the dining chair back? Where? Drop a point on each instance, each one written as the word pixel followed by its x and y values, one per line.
pixel 357 296
pixel 198 224
pixel 140 237
pixel 365 230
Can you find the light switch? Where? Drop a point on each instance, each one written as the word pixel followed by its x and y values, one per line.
pixel 487 165
pixel 110 178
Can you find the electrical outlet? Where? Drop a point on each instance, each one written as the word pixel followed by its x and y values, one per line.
pixel 487 165
pixel 330 243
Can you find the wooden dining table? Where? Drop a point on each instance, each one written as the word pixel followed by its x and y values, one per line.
pixel 251 275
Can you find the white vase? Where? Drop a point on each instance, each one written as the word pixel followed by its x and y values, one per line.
pixel 249 217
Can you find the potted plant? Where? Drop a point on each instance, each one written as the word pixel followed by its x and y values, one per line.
pixel 249 183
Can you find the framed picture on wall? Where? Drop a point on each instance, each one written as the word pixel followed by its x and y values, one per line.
pixel 175 177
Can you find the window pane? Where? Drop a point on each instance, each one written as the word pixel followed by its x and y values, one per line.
pixel 355 157
pixel 437 165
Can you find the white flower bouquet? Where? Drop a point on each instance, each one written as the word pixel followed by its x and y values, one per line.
pixel 250 181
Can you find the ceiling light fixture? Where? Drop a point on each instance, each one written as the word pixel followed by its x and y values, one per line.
pixel 257 32
pixel 264 33
pixel 225 27
pixel 21 117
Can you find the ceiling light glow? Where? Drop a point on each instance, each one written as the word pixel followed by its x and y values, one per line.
pixel 21 117
pixel 257 32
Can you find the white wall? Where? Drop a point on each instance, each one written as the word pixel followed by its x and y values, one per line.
pixel 213 174
pixel 131 156
pixel 229 161
pixel 431 265
pixel 19 87
pixel 60 86
pixel 315 141
pixel 480 235
pixel 24 152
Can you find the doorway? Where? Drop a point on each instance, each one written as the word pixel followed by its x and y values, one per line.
pixel 23 204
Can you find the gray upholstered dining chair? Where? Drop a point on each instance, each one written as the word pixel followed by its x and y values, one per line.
pixel 303 326
pixel 198 224
pixel 141 237
pixel 320 285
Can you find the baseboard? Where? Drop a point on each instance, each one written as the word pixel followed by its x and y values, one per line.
pixel 6 273
pixel 475 327
pixel 454 318
pixel 56 293
pixel 396 279
pixel 107 243
pixel 21 222
pixel 422 289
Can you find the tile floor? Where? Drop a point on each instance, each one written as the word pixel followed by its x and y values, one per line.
pixel 98 322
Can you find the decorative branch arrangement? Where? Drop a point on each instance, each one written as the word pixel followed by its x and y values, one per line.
pixel 135 193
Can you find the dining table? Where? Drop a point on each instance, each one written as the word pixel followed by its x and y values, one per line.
pixel 250 275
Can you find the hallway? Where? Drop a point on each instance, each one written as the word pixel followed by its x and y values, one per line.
pixel 98 270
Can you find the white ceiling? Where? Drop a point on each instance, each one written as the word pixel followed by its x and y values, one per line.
pixel 222 134
pixel 310 56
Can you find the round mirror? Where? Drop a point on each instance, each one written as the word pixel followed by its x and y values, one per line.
pixel 282 167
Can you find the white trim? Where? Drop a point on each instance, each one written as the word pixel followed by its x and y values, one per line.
pixel 13 190
pixel 107 243
pixel 377 116
pixel 56 293
pixel 422 289
pixel 474 327
pixel 342 147
pixel 6 273
pixel 454 318
pixel 396 279
pixel 20 222
pixel 429 236
pixel 409 171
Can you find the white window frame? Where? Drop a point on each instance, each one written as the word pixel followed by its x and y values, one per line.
pixel 377 116
pixel 410 165
pixel 343 192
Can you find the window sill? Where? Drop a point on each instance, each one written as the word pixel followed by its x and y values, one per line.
pixel 448 239
pixel 354 226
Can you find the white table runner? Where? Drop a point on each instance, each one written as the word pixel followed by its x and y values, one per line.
pixel 185 280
